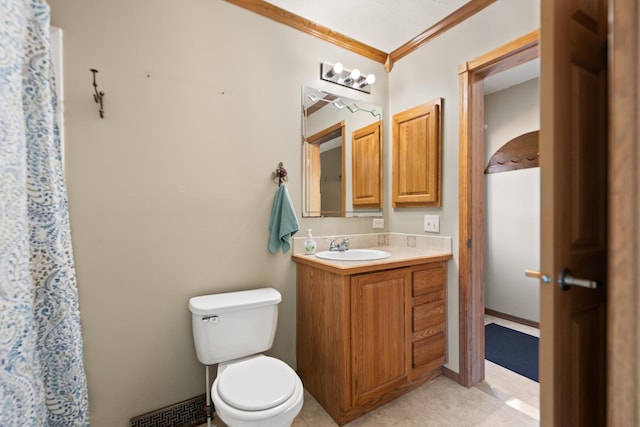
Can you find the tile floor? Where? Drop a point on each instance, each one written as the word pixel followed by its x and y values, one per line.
pixel 504 398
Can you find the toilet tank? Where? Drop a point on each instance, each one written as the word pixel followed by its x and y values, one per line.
pixel 235 324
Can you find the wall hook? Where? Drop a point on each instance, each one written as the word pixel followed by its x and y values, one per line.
pixel 280 175
pixel 98 95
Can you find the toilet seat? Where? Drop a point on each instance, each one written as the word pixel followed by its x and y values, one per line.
pixel 256 384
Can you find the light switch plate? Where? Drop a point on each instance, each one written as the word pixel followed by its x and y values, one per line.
pixel 378 223
pixel 432 223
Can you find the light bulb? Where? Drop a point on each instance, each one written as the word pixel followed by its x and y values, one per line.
pixel 353 76
pixel 368 80
pixel 336 69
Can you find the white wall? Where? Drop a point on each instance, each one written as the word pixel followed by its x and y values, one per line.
pixel 512 207
pixel 432 72
pixel 170 193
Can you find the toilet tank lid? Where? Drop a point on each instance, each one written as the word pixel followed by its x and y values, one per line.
pixel 232 301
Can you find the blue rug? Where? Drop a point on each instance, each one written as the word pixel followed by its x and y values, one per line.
pixel 514 350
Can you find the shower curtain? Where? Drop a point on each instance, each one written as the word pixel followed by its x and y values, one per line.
pixel 42 380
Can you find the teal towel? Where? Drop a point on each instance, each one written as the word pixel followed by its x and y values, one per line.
pixel 283 224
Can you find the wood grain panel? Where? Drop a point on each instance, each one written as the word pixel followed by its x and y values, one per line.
pixel 589 158
pixel 430 279
pixel 428 350
pixel 378 333
pixel 366 155
pixel 427 315
pixel 429 297
pixel 573 146
pixel 587 367
pixel 521 152
pixel 623 322
pixel 417 156
pixel 429 331
pixel 322 345
pixel 314 203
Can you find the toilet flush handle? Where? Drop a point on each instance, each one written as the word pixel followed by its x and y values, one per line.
pixel 210 319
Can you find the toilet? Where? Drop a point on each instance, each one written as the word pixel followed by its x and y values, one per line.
pixel 233 329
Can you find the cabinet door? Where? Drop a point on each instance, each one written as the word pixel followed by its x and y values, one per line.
pixel 366 158
pixel 417 158
pixel 379 341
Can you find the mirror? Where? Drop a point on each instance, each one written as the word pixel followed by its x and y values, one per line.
pixel 331 186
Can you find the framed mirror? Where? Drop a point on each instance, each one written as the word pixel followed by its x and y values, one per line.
pixel 341 156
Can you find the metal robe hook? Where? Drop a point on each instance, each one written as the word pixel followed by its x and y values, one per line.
pixel 280 175
pixel 98 95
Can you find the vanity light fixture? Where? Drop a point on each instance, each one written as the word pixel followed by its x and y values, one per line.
pixel 336 73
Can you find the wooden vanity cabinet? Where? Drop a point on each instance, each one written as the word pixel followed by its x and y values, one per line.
pixel 365 338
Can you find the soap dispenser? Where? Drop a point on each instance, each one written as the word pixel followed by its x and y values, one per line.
pixel 310 245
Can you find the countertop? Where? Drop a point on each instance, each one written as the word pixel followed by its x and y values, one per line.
pixel 400 257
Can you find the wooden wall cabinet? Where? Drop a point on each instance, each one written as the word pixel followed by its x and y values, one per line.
pixel 417 156
pixel 365 338
pixel 366 167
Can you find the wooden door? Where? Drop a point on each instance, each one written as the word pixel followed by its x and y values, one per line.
pixel 573 161
pixel 378 333
pixel 366 167
pixel 313 192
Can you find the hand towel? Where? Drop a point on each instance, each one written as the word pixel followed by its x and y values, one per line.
pixel 283 223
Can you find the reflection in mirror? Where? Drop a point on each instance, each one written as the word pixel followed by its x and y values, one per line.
pixel 328 125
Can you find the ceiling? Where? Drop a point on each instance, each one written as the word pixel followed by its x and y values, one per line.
pixel 383 24
pixel 390 25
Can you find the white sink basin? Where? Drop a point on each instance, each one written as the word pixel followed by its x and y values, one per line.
pixel 354 255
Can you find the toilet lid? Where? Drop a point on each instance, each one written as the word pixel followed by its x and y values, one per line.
pixel 256 384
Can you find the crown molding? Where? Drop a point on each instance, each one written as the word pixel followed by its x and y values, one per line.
pixel 292 20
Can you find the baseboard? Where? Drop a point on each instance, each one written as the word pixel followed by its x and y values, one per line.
pixel 188 413
pixel 455 376
pixel 516 319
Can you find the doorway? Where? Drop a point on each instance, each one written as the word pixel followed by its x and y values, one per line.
pixel 324 155
pixel 512 235
pixel 472 237
pixel 624 195
pixel 512 193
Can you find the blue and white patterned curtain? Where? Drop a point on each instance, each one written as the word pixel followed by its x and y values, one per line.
pixel 42 380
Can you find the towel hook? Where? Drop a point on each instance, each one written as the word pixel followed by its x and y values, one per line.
pixel 280 174
pixel 98 95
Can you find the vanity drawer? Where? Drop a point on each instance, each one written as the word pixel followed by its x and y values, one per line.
pixel 428 350
pixel 428 315
pixel 430 279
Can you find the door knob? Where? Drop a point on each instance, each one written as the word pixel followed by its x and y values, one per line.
pixel 565 280
pixel 537 275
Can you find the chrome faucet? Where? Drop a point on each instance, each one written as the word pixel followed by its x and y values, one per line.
pixel 342 246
